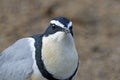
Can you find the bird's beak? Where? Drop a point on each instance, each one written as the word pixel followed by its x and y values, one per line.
pixel 66 30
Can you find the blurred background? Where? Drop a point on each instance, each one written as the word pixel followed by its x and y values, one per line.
pixel 96 30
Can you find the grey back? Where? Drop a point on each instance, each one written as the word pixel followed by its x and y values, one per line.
pixel 16 61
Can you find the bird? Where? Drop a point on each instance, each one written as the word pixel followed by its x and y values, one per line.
pixel 51 55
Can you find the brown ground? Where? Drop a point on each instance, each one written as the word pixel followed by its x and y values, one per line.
pixel 96 30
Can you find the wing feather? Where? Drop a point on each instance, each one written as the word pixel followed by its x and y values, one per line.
pixel 16 61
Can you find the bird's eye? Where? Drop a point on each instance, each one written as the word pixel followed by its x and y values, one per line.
pixel 54 27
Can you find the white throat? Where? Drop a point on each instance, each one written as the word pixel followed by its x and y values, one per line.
pixel 59 54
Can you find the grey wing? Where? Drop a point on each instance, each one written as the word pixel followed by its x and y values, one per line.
pixel 16 61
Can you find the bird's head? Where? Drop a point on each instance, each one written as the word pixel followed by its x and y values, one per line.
pixel 59 28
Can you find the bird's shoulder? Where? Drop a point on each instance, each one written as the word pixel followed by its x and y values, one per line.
pixel 37 37
pixel 21 49
pixel 19 58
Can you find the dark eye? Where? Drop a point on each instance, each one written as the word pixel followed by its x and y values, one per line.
pixel 54 27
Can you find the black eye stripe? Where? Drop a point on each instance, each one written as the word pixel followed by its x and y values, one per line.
pixel 55 25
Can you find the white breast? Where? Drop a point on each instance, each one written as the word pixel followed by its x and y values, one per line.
pixel 59 55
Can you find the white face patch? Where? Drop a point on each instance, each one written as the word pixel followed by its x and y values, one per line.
pixel 58 36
